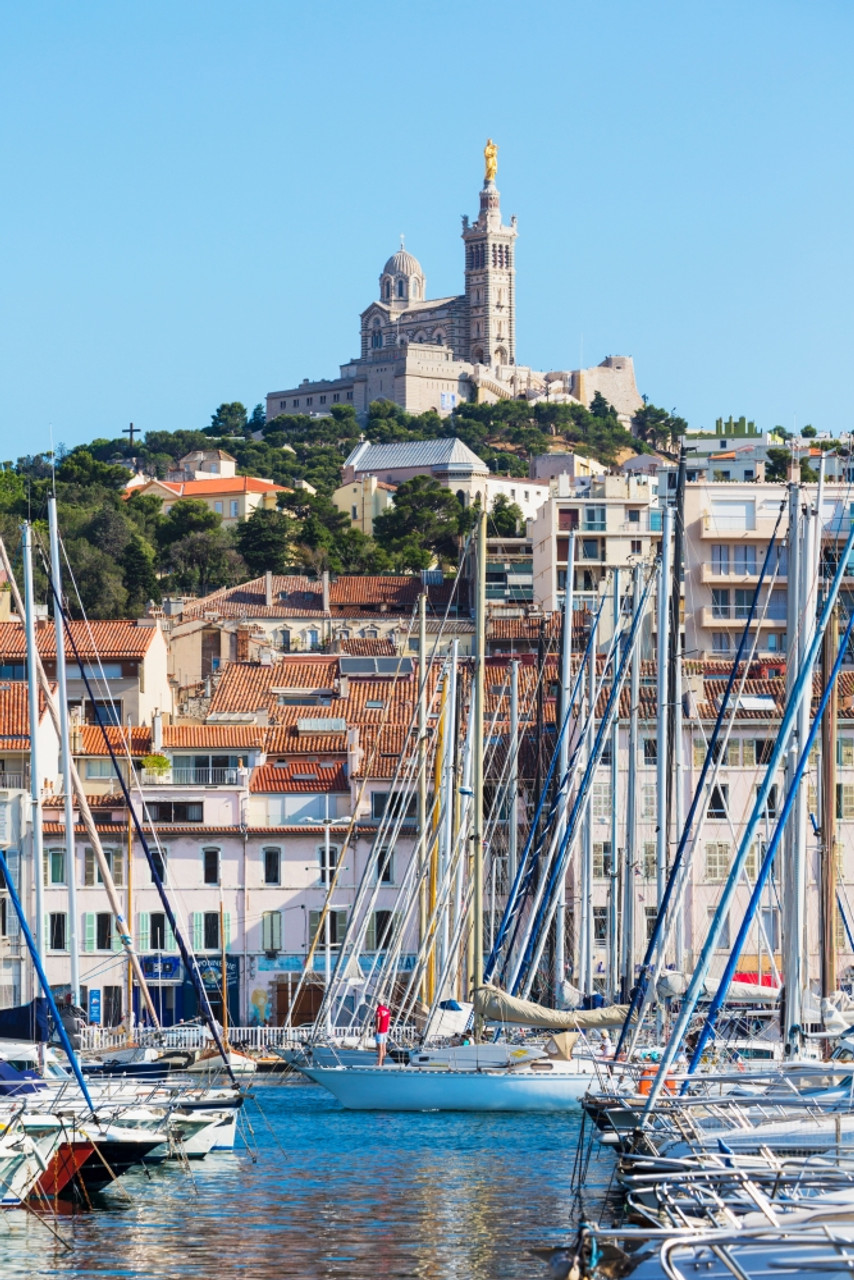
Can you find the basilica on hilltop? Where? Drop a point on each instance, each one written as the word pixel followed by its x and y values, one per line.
pixel 435 353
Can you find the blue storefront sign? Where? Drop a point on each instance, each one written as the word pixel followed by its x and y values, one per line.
pixel 94 1005
pixel 210 968
pixel 162 968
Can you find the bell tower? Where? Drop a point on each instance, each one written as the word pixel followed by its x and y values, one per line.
pixel 490 249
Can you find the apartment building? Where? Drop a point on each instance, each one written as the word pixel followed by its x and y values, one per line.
pixel 617 523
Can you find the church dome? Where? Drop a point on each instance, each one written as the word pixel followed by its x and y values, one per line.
pixel 402 264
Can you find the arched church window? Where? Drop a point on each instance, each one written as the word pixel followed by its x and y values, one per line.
pixel 387 289
pixel 495 255
pixel 500 355
pixel 400 289
pixel 477 355
pixel 376 334
pixel 439 337
pixel 461 497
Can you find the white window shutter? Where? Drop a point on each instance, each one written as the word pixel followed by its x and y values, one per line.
pixel 89 867
pixel 197 927
pixel 89 931
pixel 143 931
pixel 277 930
pixel 226 930
pixel 169 940
pixel 47 946
pixel 116 939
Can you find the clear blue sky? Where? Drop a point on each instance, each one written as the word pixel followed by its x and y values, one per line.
pixel 198 197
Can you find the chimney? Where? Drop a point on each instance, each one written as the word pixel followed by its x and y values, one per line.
pixel 242 651
pixel 268 589
pixel 324 579
pixel 157 732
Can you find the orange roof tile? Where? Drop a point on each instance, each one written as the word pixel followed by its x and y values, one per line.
pixel 93 743
pixel 220 484
pixel 243 737
pixel 294 595
pixel 298 776
pixel 122 638
pixel 357 648
pixel 15 714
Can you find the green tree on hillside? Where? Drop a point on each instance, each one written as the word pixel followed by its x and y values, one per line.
pixel 139 577
pixel 505 518
pixel 264 541
pixel 425 520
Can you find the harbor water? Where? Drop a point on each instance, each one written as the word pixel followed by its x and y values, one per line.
pixel 330 1193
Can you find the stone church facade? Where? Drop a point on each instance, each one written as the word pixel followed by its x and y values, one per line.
pixel 425 353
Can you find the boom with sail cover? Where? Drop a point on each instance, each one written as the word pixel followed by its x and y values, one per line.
pixel 494 1005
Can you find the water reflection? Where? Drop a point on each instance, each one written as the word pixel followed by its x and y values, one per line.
pixel 332 1194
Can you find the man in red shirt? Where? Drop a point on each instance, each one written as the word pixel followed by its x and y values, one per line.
pixel 383 1021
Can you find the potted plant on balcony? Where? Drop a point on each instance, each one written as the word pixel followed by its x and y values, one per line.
pixel 155 767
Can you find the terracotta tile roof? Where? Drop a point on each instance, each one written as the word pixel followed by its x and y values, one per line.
pixel 212 736
pixel 298 776
pixel 220 484
pixel 122 638
pixel 382 751
pixel 249 686
pixel 15 714
pixel 368 648
pixel 286 740
pixel 93 740
pixel 355 596
pixel 294 596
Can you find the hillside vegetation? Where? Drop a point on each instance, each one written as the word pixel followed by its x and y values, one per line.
pixel 124 552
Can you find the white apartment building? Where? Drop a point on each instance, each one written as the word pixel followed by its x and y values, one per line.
pixel 617 523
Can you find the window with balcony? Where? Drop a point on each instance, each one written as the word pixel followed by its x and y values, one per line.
pixel 650 750
pixel 594 518
pixel 590 549
pixel 205 770
pixel 720 558
pixel 744 558
pixel 634 515
pixel 720 642
pixel 720 602
pixel 743 601
pixel 600 924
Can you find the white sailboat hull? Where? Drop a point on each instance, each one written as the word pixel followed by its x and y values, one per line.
pixel 393 1088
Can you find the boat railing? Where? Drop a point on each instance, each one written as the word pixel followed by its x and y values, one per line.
pixel 95 1039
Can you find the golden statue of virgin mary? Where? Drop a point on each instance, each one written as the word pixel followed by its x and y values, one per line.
pixel 490 157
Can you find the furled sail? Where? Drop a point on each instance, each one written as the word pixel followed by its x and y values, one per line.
pixel 495 1005
pixel 672 985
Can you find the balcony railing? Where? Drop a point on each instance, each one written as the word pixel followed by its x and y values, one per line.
pixel 741 612
pixel 187 777
pixel 14 781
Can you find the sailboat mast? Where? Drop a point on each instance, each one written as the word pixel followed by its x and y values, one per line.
pixel 513 779
pixel 35 772
pixel 661 779
pixel 565 693
pixel 586 942
pixel 65 747
pixel 612 872
pixel 478 747
pixel 630 865
pixel 829 853
pixel 422 775
pixel 678 783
